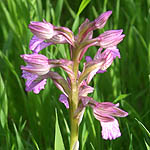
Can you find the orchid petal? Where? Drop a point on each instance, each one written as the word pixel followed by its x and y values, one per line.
pixel 83 33
pixel 102 19
pixel 88 58
pixel 110 38
pixel 36 44
pixel 33 83
pixel 110 130
pixel 67 33
pixel 36 64
pixel 64 99
pixel 42 30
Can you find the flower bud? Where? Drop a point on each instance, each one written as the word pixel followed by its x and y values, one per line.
pixel 42 30
pixel 36 64
pixel 110 38
pixel 102 19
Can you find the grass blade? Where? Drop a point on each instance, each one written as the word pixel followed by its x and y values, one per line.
pixel 82 6
pixel 58 137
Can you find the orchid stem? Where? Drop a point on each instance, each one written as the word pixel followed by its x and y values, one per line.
pixel 74 131
pixel 73 106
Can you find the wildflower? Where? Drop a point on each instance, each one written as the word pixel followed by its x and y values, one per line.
pixel 75 88
pixel 64 99
pixel 46 34
pixel 36 44
pixel 110 38
pixel 107 39
pixel 105 113
pixel 101 20
pixel 37 64
pixel 84 90
pixel 33 82
pixel 100 63
pixel 108 55
pixel 38 70
pixel 86 29
pixel 42 30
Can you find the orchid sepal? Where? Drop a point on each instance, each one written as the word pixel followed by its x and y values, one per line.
pixel 90 67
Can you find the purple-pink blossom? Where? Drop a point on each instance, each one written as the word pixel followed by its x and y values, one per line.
pixel 38 68
pixel 107 56
pixel 46 34
pixel 105 113
pixel 110 130
pixel 42 30
pixel 87 27
pixel 36 64
pixel 36 44
pixel 64 99
pixel 110 38
pixel 33 82
pixel 101 20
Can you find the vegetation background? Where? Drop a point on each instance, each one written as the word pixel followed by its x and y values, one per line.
pixel 40 122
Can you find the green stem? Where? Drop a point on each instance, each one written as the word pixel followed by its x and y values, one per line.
pixel 73 106
pixel 74 130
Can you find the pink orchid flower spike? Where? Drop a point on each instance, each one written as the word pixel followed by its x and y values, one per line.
pixel 73 83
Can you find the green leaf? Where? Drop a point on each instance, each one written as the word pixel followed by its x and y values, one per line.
pixel 85 134
pixel 141 37
pixel 40 9
pixel 143 127
pixel 59 145
pixel 19 142
pixel 75 24
pixel 145 130
pixel 8 17
pixel 12 69
pixel 93 130
pixel 83 4
pixel 71 11
pixel 34 141
pixel 130 137
pixel 58 10
pixel 147 146
pixel 122 96
pixel 92 146
pixel 3 103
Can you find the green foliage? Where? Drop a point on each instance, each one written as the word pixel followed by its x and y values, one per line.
pixel 58 137
pixel 82 6
pixel 28 121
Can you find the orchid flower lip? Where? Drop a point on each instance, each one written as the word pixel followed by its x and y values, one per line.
pixel 110 130
pixel 33 82
pixel 64 99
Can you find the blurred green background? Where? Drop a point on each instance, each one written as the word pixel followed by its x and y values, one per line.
pixel 40 122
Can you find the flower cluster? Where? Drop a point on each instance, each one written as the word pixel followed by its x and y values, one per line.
pixel 38 68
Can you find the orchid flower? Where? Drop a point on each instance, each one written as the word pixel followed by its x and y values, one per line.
pixel 46 34
pixel 75 88
pixel 38 70
pixel 107 56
